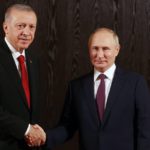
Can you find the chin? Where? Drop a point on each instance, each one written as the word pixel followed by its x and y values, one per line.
pixel 100 68
pixel 24 46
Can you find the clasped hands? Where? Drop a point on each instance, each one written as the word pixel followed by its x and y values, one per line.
pixel 36 136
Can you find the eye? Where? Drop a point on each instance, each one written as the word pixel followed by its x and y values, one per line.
pixel 95 48
pixel 32 27
pixel 20 26
pixel 106 48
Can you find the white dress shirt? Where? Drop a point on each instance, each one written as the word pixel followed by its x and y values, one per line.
pixel 15 54
pixel 108 80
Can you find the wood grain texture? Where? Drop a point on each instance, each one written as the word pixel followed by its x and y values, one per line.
pixel 61 43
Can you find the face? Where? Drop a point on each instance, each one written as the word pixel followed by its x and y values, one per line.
pixel 103 50
pixel 20 29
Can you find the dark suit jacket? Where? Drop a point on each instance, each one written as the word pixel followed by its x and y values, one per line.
pixel 126 124
pixel 14 113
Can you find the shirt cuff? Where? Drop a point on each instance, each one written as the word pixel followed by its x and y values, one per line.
pixel 27 131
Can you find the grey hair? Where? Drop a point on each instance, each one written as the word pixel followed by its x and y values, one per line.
pixel 115 36
pixel 21 7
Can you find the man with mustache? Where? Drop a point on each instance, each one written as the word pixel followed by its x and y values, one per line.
pixel 110 107
pixel 19 79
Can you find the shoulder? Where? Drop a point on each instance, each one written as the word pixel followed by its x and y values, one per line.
pixel 3 47
pixel 84 79
pixel 127 72
pixel 32 58
pixel 128 75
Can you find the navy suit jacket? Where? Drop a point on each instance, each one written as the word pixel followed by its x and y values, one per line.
pixel 14 113
pixel 126 124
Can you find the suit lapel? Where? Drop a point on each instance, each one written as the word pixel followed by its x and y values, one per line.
pixel 116 87
pixel 91 102
pixel 32 80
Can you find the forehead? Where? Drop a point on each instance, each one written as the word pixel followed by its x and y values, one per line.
pixel 23 16
pixel 103 38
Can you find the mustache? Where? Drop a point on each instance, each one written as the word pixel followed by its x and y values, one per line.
pixel 24 38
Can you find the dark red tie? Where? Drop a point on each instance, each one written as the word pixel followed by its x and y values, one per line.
pixel 100 97
pixel 24 78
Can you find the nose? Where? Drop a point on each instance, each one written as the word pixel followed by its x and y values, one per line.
pixel 26 31
pixel 100 53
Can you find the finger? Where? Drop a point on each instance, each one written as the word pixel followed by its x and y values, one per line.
pixel 35 126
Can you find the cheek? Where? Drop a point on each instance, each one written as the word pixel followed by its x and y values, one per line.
pixel 33 34
pixel 15 33
pixel 92 54
pixel 13 36
pixel 108 55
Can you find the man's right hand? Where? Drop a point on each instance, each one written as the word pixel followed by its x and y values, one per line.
pixel 36 136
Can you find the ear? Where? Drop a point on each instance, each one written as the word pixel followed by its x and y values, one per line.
pixel 117 49
pixel 5 27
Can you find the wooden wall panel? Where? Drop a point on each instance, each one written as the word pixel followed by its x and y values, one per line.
pixel 61 43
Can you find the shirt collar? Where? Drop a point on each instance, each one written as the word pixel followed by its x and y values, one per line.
pixel 14 52
pixel 109 73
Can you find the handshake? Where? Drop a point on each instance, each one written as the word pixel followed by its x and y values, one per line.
pixel 36 136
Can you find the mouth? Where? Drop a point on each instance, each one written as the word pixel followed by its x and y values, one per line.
pixel 24 39
pixel 24 42
pixel 100 61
